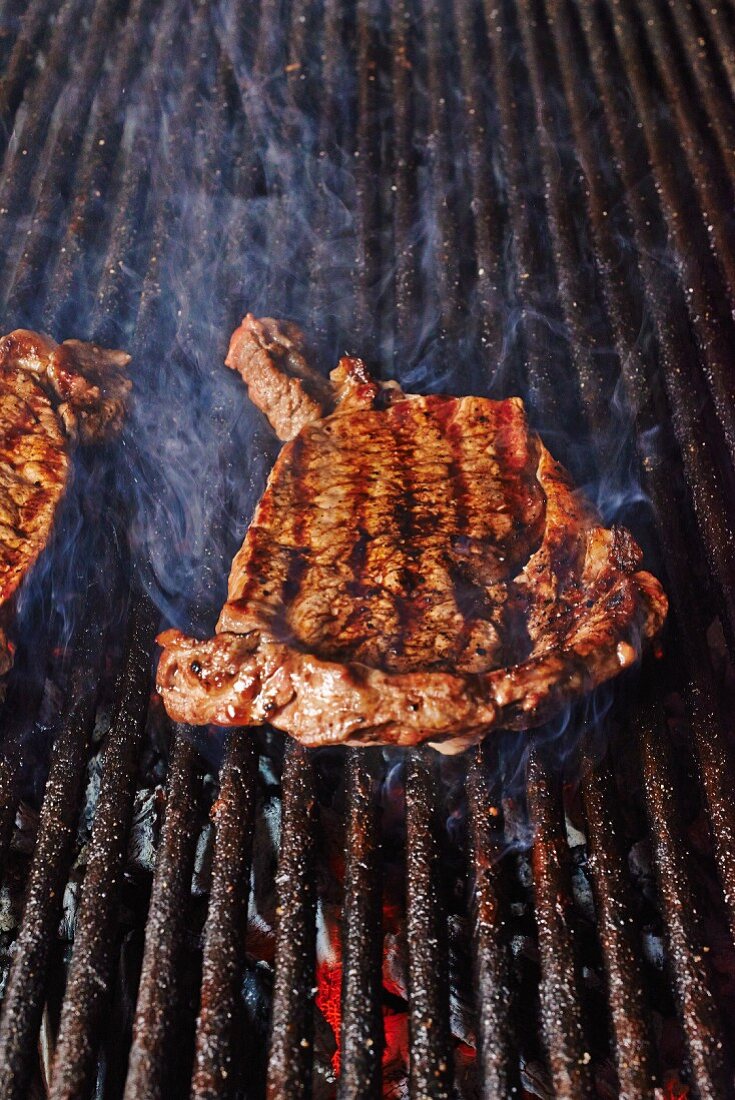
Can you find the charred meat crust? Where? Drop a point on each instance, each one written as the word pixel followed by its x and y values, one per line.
pixel 51 397
pixel 419 568
pixel 236 679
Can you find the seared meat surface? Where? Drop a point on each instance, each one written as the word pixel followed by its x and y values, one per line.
pixel 51 397
pixel 269 355
pixel 419 568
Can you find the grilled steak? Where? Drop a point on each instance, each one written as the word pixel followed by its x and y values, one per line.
pixel 418 568
pixel 51 397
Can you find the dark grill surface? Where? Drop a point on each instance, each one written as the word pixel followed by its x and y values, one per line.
pixel 489 196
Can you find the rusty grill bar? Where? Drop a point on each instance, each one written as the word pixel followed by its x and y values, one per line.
pixel 610 124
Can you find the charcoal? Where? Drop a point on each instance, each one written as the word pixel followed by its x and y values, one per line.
pixel 395 976
pixel 263 902
pixel 324 1079
pixel 640 861
pixel 462 1012
pixel 26 828
pixel 536 1080
pixel 91 794
pixel 581 884
pixel 147 806
pixel 70 906
pixel 654 949
pixel 257 988
pixel 203 860
pixel 10 908
pixel 102 720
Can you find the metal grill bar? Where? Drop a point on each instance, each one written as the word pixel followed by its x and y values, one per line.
pixel 23 999
pixel 269 55
pixel 722 40
pixel 624 314
pixel 92 956
pixel 716 770
pixel 220 1027
pixel 361 1032
pixel 244 182
pixel 33 26
pixel 89 970
pixel 264 105
pixel 154 1056
pixel 618 936
pixel 59 179
pixel 705 305
pixel 718 106
pixel 152 1070
pixel 691 981
pixel 20 165
pixel 361 1039
pixel 706 726
pixel 331 139
pixel 292 1023
pixel 561 1013
pixel 297 94
pixel 486 221
pixel 705 167
pixel 114 299
pixel 431 1065
pixel 73 180
pixel 406 286
pixel 431 1054
pixel 497 1055
pixel 439 150
pixel 530 284
pixel 685 603
pixel 97 915
pixel 297 70
pixel 155 323
pixel 367 177
pixel 575 288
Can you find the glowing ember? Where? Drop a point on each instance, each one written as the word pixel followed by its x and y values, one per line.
pixel 673 1089
pixel 328 999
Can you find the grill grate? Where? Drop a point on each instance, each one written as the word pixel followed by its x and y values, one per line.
pixel 549 183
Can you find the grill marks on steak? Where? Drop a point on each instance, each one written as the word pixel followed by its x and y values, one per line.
pixel 51 397
pixel 373 544
pixel 419 568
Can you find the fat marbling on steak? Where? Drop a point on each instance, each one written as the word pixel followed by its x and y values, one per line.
pixel 418 568
pixel 51 397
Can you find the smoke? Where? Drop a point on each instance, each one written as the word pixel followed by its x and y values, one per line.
pixel 278 179
pixel 265 209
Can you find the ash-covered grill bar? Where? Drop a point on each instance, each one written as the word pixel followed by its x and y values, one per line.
pixel 361 1038
pixel 617 929
pixel 535 196
pixel 217 1063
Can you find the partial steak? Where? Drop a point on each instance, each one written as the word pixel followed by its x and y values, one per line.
pixel 419 568
pixel 51 396
pixel 270 356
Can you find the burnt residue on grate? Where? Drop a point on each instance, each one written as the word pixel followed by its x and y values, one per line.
pixel 523 196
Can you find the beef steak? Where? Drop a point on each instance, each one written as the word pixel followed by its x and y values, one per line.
pixel 418 568
pixel 51 397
